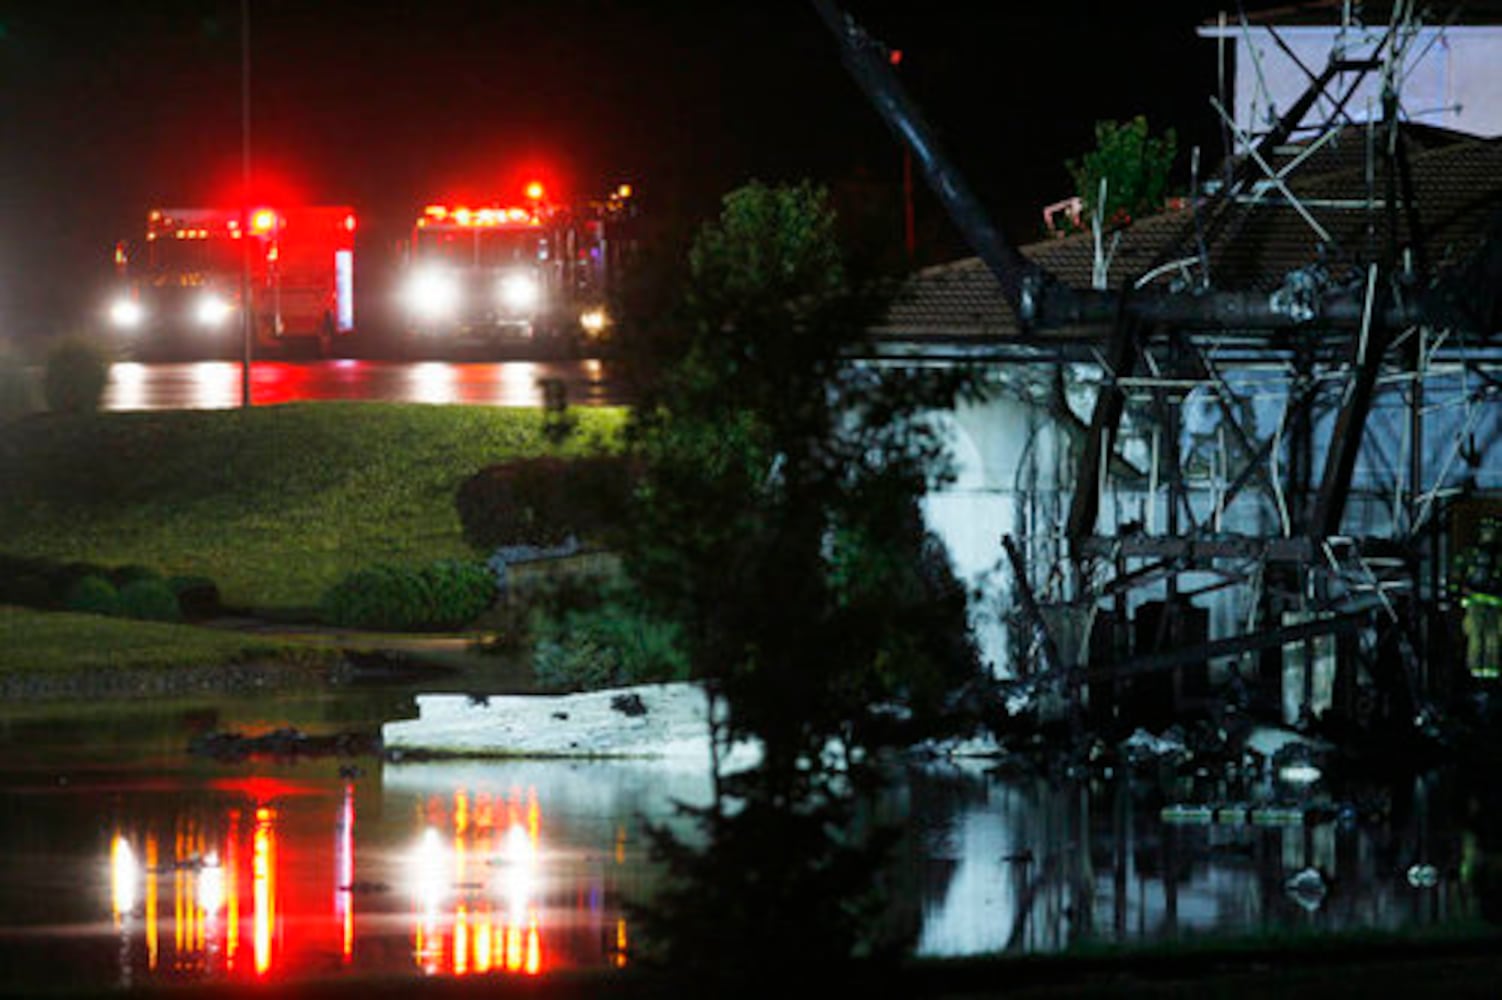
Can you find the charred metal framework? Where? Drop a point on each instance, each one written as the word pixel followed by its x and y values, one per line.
pixel 1328 339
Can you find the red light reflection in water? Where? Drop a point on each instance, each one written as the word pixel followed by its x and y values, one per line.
pixel 201 882
pixel 266 889
pixel 211 385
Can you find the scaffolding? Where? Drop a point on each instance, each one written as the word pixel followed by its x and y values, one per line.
pixel 1248 400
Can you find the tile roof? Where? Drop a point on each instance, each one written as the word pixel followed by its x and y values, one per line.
pixel 1457 186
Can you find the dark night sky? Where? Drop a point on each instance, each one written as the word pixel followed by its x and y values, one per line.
pixel 109 108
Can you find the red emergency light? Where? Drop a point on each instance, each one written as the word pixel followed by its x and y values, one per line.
pixel 263 221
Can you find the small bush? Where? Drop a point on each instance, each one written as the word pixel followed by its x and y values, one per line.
pixel 442 595
pixel 197 596
pixel 76 373
pixel 149 600
pixel 66 576
pixel 543 501
pixel 94 595
pixel 607 646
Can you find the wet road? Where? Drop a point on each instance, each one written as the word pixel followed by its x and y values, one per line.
pixel 203 385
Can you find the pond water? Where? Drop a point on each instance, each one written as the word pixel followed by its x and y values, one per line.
pixel 125 860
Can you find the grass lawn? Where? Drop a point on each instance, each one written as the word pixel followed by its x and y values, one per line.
pixel 275 503
pixel 50 643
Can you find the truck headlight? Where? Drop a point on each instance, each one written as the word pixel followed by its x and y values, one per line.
pixel 432 294
pixel 519 292
pixel 212 310
pixel 126 314
pixel 593 321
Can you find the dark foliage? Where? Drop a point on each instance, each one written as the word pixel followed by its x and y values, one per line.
pixel 197 596
pixel 45 584
pixel 149 599
pixel 776 522
pixel 75 376
pixel 29 582
pixel 787 884
pixel 446 594
pixel 776 518
pixel 543 501
pixel 611 644
pixel 93 595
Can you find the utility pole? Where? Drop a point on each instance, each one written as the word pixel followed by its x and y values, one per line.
pixel 909 231
pixel 247 331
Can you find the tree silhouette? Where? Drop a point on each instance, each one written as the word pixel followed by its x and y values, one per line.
pixel 777 522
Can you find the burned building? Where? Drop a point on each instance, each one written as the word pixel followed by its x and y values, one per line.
pixel 1259 426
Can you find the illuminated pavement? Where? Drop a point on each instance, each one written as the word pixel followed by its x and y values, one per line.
pixel 208 385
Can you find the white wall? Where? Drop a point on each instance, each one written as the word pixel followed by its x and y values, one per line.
pixel 1450 77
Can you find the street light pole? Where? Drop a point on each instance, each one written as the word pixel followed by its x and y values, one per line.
pixel 909 232
pixel 247 331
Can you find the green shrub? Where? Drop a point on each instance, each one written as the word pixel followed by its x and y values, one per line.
pixel 606 646
pixel 532 600
pixel 542 501
pixel 149 600
pixel 37 582
pixel 197 596
pixel 65 577
pixel 77 370
pixel 93 594
pixel 442 595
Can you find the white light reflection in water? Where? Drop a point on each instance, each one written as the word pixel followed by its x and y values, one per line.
pixel 211 885
pixel 127 386
pixel 476 896
pixel 517 385
pixel 519 873
pixel 125 878
pixel 214 385
pixel 430 866
pixel 344 860
pixel 432 382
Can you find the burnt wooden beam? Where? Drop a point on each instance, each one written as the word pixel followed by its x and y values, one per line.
pixel 1030 604
pixel 1192 551
pixel 1105 420
pixel 1233 646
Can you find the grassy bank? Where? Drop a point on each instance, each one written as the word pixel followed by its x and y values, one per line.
pixel 274 503
pixel 57 654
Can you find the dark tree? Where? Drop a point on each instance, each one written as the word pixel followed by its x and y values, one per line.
pixel 778 523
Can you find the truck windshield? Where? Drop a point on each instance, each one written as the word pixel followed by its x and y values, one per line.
pixel 480 247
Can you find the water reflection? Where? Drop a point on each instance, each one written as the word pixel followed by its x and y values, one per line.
pixel 245 888
pixel 477 898
pixel 208 385
pixel 1019 865
pixel 158 871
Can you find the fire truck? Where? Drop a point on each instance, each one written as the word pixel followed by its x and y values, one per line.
pixel 180 288
pixel 530 274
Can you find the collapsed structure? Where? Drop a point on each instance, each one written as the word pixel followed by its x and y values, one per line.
pixel 1291 422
